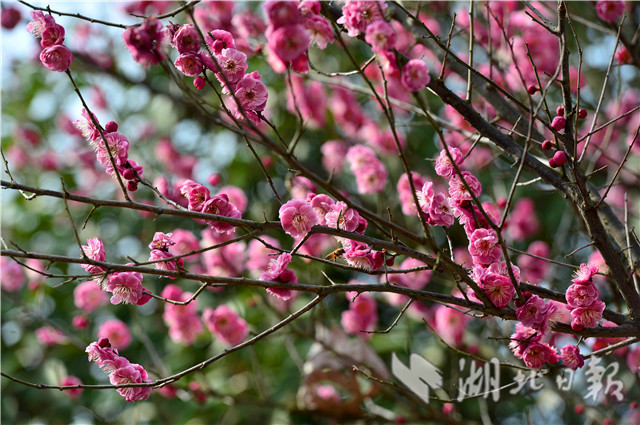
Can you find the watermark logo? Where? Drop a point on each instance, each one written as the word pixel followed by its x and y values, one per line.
pixel 422 377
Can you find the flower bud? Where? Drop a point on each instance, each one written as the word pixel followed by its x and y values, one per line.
pixel 558 123
pixel 582 113
pixel 111 127
pixel 532 89
pixel 560 110
pixel 199 83
pixel 560 158
pixel 547 144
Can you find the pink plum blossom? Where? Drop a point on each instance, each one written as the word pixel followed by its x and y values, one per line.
pixel 219 40
pixel 321 204
pixel 536 354
pixel 131 374
pixel 535 269
pixel 233 64
pixel 259 253
pixel 186 39
pixel 444 167
pixel 483 246
pixel 415 75
pixel 342 217
pixel 498 288
pixel 189 64
pixel 11 275
pixel 117 332
pixel 333 155
pixel 88 296
pixel 183 320
pixel 282 13
pixel 226 325
pixel 405 194
pixel 195 193
pixel 297 217
pixel 52 35
pixel 251 93
pixel 289 43
pixel 126 287
pixel 358 14
pixel 522 220
pixel 48 335
pixel 319 30
pixel 581 295
pixel 361 255
pixel 589 316
pixel 459 192
pixel 56 58
pixel 610 10
pixel 440 211
pixel 361 316
pixel 585 273
pixel 220 205
pixel 70 381
pixel 144 41
pixel 570 355
pixel 95 251
pixel 277 272
pixel 381 36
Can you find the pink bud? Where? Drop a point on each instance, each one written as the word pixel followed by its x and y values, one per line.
pixel 199 83
pixel 80 322
pixel 111 126
pixel 558 123
pixel 582 114
pixel 501 202
pixel 552 163
pixel 214 179
pixel 132 186
pixel 579 409
pixel 560 158
pixel 547 144
pixel 532 89
pixel 576 326
pixel 560 110
pixel 128 174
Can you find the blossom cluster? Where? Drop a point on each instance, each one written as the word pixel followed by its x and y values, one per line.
pixel 121 371
pixel 125 286
pixel 113 146
pixel 182 319
pixel 200 200
pixel 370 172
pixel 54 55
pixel 291 28
pixel 144 42
pixel 160 249
pixel 582 298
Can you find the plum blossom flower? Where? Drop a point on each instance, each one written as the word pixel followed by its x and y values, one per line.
pixel 40 23
pixel 361 316
pixel 342 217
pixel 117 332
pixel 220 205
pixel 415 75
pixel 498 288
pixel 56 58
pixel 233 64
pixel 297 217
pixel 459 192
pixel 321 204
pixel 195 193
pixel 361 255
pixel 189 64
pixel 131 374
pixel 585 273
pixel 219 40
pixel 536 314
pixel 186 39
pixel 536 354
pixel 358 15
pixel 570 355
pixel 48 335
pixel 277 272
pixel 226 325
pixel 483 246
pixel 143 42
pixel 183 320
pixel 440 211
pixel 319 30
pixel 95 251
pixel 12 277
pixel 88 296
pixel 587 317
pixel 444 167
pixel 126 287
pixel 251 92
pixel 381 36
pixel 581 295
pixel 610 10
pixel 69 381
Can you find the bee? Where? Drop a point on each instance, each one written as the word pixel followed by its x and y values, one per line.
pixel 335 254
